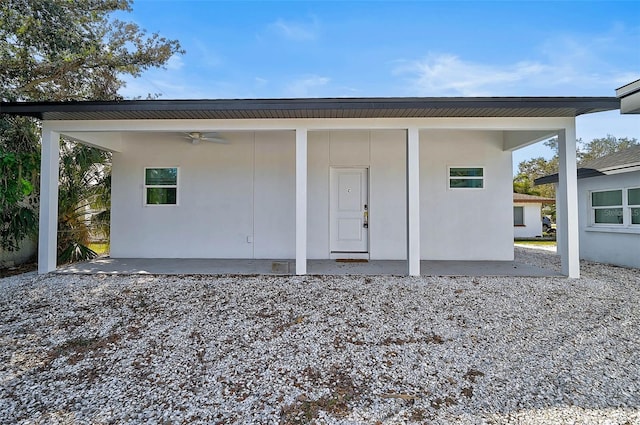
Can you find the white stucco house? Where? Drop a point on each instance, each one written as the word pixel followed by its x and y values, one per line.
pixel 374 178
pixel 527 215
pixel 609 208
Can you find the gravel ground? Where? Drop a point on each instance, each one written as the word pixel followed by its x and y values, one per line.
pixel 335 350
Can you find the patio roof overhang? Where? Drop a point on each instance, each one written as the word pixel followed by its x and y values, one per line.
pixel 389 107
pixel 523 120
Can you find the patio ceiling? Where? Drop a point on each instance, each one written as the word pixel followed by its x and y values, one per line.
pixel 414 107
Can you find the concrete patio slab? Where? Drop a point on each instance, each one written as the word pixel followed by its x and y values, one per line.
pixel 172 266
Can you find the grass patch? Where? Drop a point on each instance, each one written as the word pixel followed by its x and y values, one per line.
pixel 100 248
pixel 536 243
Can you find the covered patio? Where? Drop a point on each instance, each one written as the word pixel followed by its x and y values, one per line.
pixel 277 182
pixel 191 266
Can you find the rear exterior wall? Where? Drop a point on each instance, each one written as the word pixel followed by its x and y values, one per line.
pixel 237 200
pixel 614 244
pixel 465 224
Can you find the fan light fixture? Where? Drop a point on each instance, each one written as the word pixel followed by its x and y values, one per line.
pixel 196 137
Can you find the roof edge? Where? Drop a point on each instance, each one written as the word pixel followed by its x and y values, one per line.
pixel 628 89
pixel 574 106
pixel 583 173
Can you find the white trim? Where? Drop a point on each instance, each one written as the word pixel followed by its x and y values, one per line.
pixel 145 186
pixel 301 201
pixel 628 89
pixel 48 220
pixel 349 255
pixel 567 203
pixel 413 201
pixel 635 230
pixel 550 124
pixel 626 226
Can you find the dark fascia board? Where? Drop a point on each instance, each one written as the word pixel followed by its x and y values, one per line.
pixel 574 105
pixel 582 173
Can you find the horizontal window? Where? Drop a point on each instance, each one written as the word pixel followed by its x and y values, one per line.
pixel 466 177
pixel 608 216
pixel 466 172
pixel 470 183
pixel 616 207
pixel 161 186
pixel 162 195
pixel 161 176
pixel 607 198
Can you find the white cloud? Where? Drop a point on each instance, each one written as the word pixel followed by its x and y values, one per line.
pixel 203 55
pixel 449 75
pixel 260 81
pixel 166 85
pixel 563 65
pixel 297 31
pixel 175 63
pixel 306 86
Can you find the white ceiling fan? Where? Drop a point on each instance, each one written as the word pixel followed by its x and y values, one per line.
pixel 196 137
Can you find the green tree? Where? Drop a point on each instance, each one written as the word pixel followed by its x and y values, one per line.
pixel 59 50
pixel 522 183
pixel 73 50
pixel 83 200
pixel 597 148
pixel 19 164
pixel 534 168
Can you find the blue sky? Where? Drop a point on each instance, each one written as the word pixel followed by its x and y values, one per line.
pixel 273 49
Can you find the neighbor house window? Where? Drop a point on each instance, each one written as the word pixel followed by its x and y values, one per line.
pixel 518 216
pixel 607 207
pixel 161 186
pixel 633 200
pixel 466 177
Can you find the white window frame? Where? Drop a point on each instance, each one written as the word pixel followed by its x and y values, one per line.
pixel 483 178
pixel 625 198
pixel 625 206
pixel 145 186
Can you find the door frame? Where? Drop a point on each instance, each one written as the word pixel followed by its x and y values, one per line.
pixel 346 254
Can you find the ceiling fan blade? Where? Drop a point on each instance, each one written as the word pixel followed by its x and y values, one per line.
pixel 215 140
pixel 196 137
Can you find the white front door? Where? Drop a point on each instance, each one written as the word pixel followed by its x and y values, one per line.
pixel 349 210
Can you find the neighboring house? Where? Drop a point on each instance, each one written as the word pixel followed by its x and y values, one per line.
pixel 609 208
pixel 373 178
pixel 527 215
pixel 629 96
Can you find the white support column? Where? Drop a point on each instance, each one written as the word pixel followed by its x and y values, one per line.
pixel 301 201
pixel 567 203
pixel 48 231
pixel 413 201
